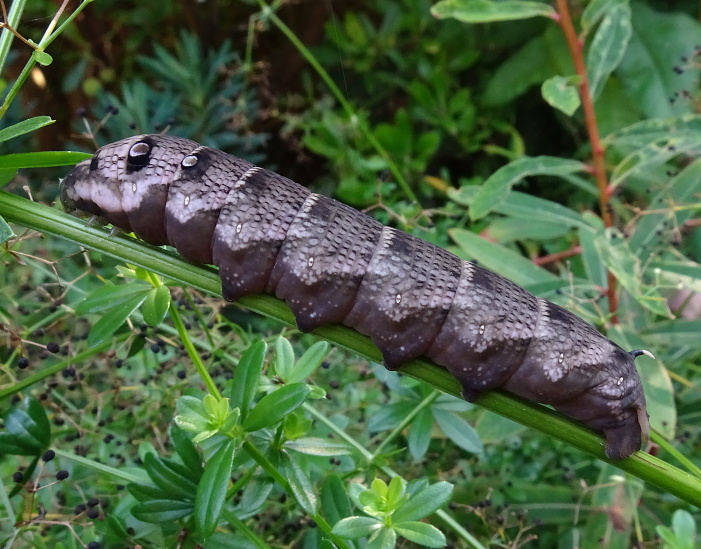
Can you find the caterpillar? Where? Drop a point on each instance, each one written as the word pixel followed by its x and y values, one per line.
pixel 333 264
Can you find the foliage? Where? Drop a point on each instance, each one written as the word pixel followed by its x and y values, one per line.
pixel 472 120
pixel 196 94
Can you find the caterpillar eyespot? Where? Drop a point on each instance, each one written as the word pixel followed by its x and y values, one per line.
pixel 333 264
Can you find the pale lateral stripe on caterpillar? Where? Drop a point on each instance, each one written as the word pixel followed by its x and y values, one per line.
pixel 333 264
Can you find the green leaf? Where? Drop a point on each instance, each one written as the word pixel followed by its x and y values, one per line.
pixel 421 533
pixel 274 406
pixel 495 429
pixel 562 93
pixel 254 498
pixel 186 450
pixel 670 538
pixel 247 377
pixel 300 485
pixel 608 46
pixel 162 511
pixel 511 229
pixel 651 155
pixel 111 321
pixel 284 358
pixel 356 527
pixel 497 187
pixel 28 431
pixel 526 207
pixel 500 259
pixel 386 538
pixel 650 131
pixel 424 503
pixel 459 431
pixel 595 269
pixel 296 424
pixel 315 446
pixel 109 296
pixel 174 479
pixel 684 527
pixel 540 58
pixel 485 11
pixel 659 39
pixel 420 434
pixel 334 500
pixel 6 176
pixel 46 159
pixel 5 231
pixel 155 306
pixel 42 58
pixel 308 362
pixel 144 493
pixel 211 490
pixel 24 127
pixel 390 415
pixel 191 415
pixel 395 492
pixel 596 10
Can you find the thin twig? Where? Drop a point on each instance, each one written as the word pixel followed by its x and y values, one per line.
pixel 559 256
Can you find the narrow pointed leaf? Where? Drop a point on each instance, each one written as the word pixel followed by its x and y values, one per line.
pixel 211 491
pixel 273 407
pixel 485 11
pixel 247 377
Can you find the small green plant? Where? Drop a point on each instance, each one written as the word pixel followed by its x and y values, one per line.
pixel 394 511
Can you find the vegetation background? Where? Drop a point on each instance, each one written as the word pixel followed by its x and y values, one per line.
pixel 110 437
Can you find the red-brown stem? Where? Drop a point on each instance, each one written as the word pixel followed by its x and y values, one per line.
pixel 599 166
pixel 559 256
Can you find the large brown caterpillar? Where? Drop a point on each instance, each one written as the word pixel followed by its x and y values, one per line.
pixel 333 264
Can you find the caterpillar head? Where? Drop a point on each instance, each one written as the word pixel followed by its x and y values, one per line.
pixel 125 183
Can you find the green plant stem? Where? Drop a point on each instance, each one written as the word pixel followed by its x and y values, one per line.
pixel 367 134
pixel 48 38
pixel 13 18
pixel 192 352
pixel 187 342
pixel 425 403
pixel 576 48
pixel 43 44
pixel 129 250
pixel 240 483
pixel 278 477
pixel 239 525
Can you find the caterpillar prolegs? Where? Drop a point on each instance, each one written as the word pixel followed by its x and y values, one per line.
pixel 333 264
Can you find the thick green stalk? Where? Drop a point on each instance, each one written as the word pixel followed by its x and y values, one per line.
pixel 644 466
